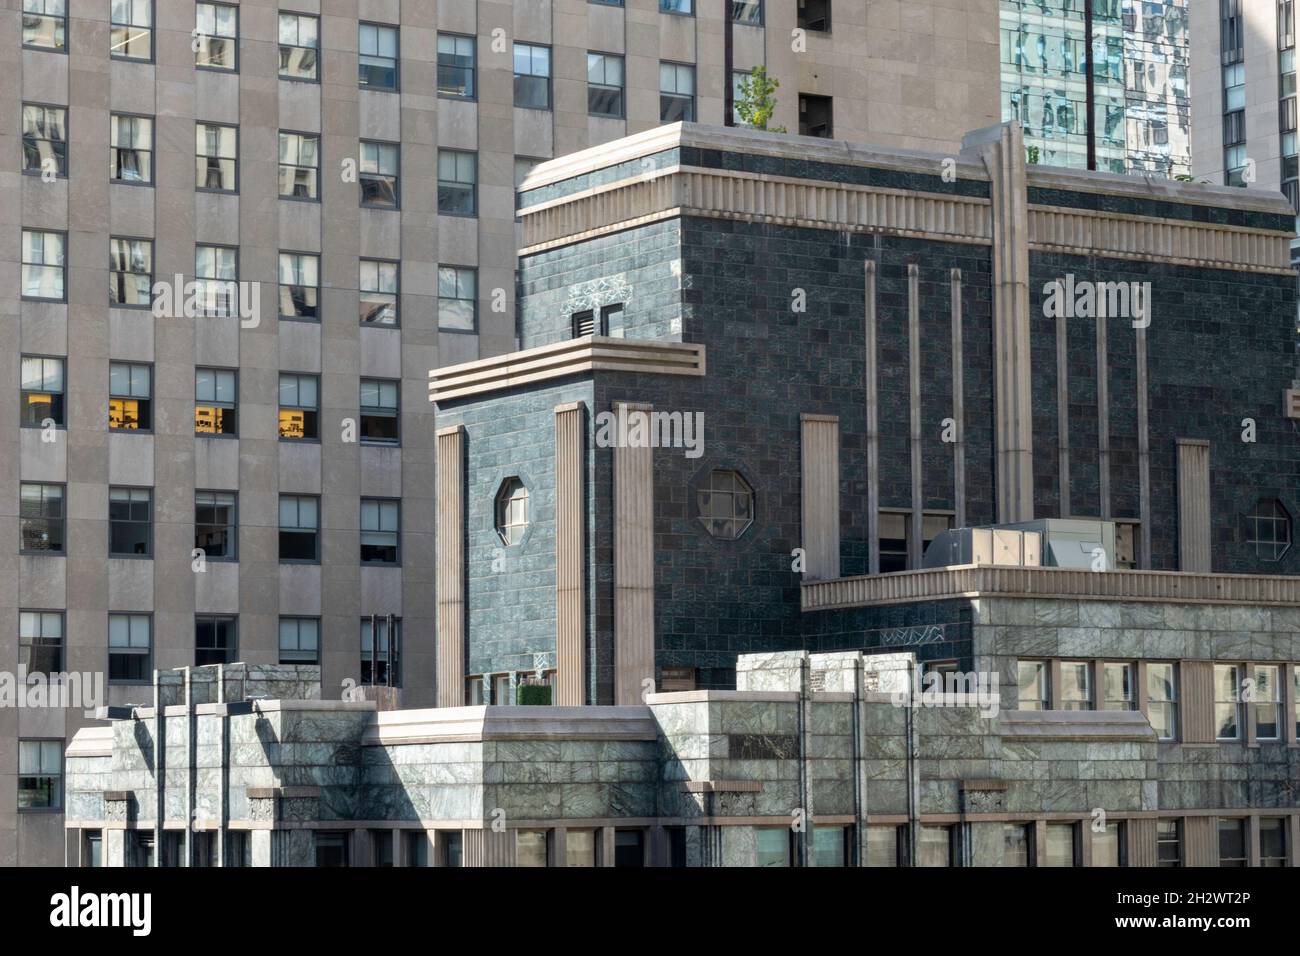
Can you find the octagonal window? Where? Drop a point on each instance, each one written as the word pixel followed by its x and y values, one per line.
pixel 512 511
pixel 726 504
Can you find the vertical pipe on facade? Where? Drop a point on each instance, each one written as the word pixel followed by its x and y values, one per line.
pixel 909 732
pixel 805 793
pixel 859 765
pixel 728 87
pixel 191 764
pixel 159 756
pixel 958 405
pixel 1090 84
pixel 873 424
pixel 390 673
pixel 374 651
pixel 223 809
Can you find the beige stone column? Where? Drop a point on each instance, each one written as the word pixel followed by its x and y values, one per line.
pixel 570 545
pixel 820 494
pixel 872 386
pixel 634 610
pixel 451 578
pixel 1193 505
pixel 1002 150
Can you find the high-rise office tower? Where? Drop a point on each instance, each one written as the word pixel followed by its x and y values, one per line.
pixel 1131 115
pixel 1244 88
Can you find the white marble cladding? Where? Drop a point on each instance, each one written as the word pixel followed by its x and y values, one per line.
pixel 1044 627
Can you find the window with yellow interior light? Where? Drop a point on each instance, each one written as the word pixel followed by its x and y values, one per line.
pixel 215 410
pixel 130 396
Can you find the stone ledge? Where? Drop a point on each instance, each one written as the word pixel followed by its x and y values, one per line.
pixel 268 793
pixel 722 786
pixel 723 696
pixel 1116 725
pixel 474 724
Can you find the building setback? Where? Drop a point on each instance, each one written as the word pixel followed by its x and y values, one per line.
pixel 740 276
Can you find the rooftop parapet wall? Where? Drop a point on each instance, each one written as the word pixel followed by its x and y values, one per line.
pixel 974 580
pixel 727 172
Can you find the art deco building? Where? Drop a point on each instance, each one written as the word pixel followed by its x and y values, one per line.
pixel 926 452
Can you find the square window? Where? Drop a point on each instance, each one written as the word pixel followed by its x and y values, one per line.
pixel 457 298
pixel 131 29
pixel 130 149
pixel 380 423
pixel 457 182
pixel 41 516
pixel 299 640
pixel 456 66
pixel 130 397
pixel 215 408
pixel 532 76
pixel 216 525
pixel 130 273
pixel 1062 844
pixel 41 393
pixel 130 648
pixel 676 93
pixel 378 174
pixel 299 46
pixel 1169 842
pixel 40 642
pixel 605 85
pixel 299 529
pixel 299 407
pixel 1033 681
pixel 1017 844
pixel 40 775
pixel 377 47
pixel 45 140
pixel 1232 842
pixel 216 157
pixel 215 639
pixel 378 292
pixel 43 265
pixel 381 657
pixel 130 523
pixel 299 166
pixel 1227 702
pixel 300 286
pixel 381 520
pixel 1162 699
pixel 45 24
pixel 532 847
pixel 216 31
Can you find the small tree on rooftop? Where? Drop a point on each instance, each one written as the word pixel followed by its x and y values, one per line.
pixel 756 100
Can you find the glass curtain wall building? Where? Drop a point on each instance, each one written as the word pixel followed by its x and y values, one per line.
pixel 1140 120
